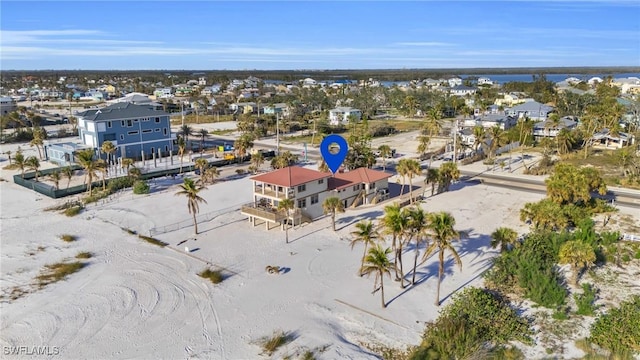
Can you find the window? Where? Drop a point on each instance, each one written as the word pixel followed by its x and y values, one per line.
pixel 122 123
pixel 129 123
pixel 157 120
pixel 372 186
pixel 121 136
pixel 132 133
pixel 302 203
pixel 356 187
pixel 302 187
pixel 147 131
pixel 135 120
pixel 109 137
pixel 153 151
pixel 164 131
pixel 158 130
pixel 108 124
pixel 321 181
pixel 314 199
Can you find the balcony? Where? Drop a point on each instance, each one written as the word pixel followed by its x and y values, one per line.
pixel 266 191
pixel 268 213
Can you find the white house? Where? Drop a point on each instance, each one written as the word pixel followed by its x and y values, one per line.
pixel 531 109
pixel 341 115
pixel 461 90
pixel 485 81
pixel 547 129
pixel 490 120
pixel 454 81
pixel 604 139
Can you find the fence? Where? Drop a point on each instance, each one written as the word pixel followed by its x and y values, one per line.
pixel 630 237
pixel 187 223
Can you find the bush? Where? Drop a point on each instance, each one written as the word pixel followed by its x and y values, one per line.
pixel 476 317
pixel 73 211
pixel 84 255
pixel 68 238
pixel 57 272
pixel 140 187
pixel 151 240
pixel 119 183
pixel 215 276
pixel 619 330
pixel 270 344
pixel 586 300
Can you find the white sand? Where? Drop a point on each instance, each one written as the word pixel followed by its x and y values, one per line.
pixel 136 300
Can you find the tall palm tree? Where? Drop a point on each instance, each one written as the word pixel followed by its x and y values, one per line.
pixel 203 135
pixel 377 262
pixel 211 174
pixel 367 234
pixel 333 205
pixel 394 223
pixel 257 160
pixel 101 165
pixel 417 230
pixel 579 255
pixel 182 147
pixel 385 152
pixel 498 138
pixel 202 164
pixel 402 169
pixel 186 130
pixel 127 163
pixel 108 148
pixel 423 144
pixel 286 205
pixel 90 165
pixel 564 141
pixel 242 145
pixel 442 232
pixel 32 163
pixel 479 136
pixel 39 135
pixel 190 189
pixel 68 172
pixel 503 237
pixel 448 173
pixel 412 170
pixel 431 177
pixel 19 161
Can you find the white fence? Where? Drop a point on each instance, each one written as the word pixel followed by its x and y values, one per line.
pixel 630 237
pixel 189 222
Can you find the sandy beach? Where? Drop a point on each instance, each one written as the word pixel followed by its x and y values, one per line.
pixel 135 300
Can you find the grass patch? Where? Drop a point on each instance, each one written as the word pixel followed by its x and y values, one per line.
pixel 73 211
pixel 57 272
pixel 153 241
pixel 10 167
pixel 222 132
pixel 215 276
pixel 84 255
pixel 68 238
pixel 270 344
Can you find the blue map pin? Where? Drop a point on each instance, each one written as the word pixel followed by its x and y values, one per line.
pixel 334 155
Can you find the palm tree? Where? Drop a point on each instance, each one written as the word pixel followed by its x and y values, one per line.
pixel 423 145
pixel 366 234
pixel 416 228
pixel 286 205
pixel 104 170
pixel 503 237
pixel 203 135
pixel 333 205
pixel 127 163
pixel 32 163
pixel 432 177
pixel 377 261
pixel 402 168
pixel 497 137
pixel 564 141
pixel 412 170
pixel 577 254
pixel 448 172
pixel 39 134
pixel 257 160
pixel 202 164
pixel 394 223
pixel 479 136
pixel 68 172
pixel 211 174
pixel 441 228
pixel 19 161
pixel 182 146
pixel 108 148
pixel 385 152
pixel 86 160
pixel 191 190
pixel 8 152
pixel 186 130
pixel 242 145
pixel 55 177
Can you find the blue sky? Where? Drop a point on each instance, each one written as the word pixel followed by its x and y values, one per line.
pixel 265 35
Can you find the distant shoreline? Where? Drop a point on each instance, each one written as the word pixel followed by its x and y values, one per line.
pixel 354 74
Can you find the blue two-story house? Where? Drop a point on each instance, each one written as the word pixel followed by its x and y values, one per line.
pixel 137 131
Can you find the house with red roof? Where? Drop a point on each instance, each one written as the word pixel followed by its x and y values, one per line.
pixel 309 188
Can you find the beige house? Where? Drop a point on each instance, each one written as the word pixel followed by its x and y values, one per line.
pixel 309 188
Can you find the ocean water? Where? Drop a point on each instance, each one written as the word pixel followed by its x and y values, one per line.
pixel 505 78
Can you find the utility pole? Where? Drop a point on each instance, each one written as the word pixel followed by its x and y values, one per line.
pixel 277 134
pixel 182 110
pixel 455 138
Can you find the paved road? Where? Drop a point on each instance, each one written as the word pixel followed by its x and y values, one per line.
pixel 620 196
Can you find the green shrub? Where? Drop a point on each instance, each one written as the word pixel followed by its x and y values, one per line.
pixel 153 241
pixel 68 238
pixel 57 272
pixel 140 187
pixel 270 344
pixel 560 314
pixel 619 329
pixel 215 276
pixel 637 255
pixel 475 318
pixel 73 211
pixel 119 183
pixel 626 258
pixel 84 255
pixel 586 300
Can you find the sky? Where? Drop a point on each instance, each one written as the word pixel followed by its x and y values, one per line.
pixel 301 35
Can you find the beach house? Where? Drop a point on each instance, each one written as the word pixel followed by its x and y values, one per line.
pixel 531 109
pixel 137 131
pixel 308 189
pixel 340 115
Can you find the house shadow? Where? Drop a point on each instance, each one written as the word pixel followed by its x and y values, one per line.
pixel 396 190
pixel 350 220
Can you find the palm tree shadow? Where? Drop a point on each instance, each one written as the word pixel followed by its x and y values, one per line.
pixel 350 220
